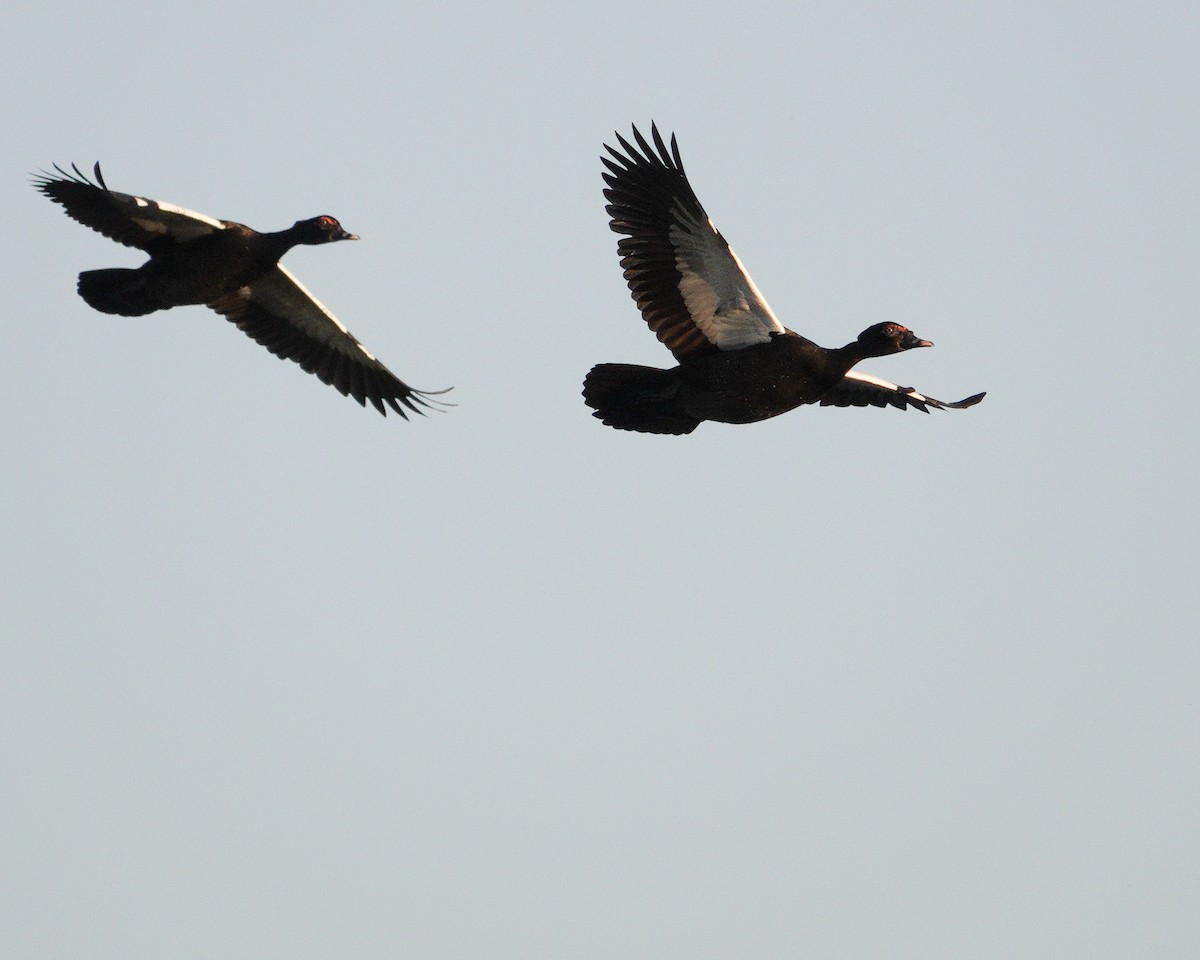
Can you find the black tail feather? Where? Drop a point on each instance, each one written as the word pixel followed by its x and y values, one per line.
pixel 118 290
pixel 631 397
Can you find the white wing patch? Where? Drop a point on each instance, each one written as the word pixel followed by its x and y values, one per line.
pixel 861 389
pixel 166 219
pixel 888 386
pixel 721 298
pixel 281 294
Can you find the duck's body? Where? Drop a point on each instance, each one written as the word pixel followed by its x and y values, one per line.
pixel 200 271
pixel 235 270
pixel 737 363
pixel 757 382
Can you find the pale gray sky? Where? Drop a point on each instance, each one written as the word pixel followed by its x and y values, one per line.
pixel 282 678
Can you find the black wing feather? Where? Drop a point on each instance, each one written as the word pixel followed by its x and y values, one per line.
pixel 863 390
pixel 689 285
pixel 133 221
pixel 307 334
pixel 643 187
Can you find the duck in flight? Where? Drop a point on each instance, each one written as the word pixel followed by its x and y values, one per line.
pixel 736 362
pixel 233 269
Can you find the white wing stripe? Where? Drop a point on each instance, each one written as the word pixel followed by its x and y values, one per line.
pixel 179 211
pixel 888 385
pixel 309 313
pixel 722 300
pixel 166 219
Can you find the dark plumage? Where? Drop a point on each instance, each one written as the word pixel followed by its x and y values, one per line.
pixel 233 269
pixel 737 362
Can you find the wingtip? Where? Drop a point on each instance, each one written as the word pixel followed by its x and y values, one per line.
pixel 43 178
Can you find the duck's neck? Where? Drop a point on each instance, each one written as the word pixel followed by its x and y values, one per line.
pixel 843 358
pixel 279 242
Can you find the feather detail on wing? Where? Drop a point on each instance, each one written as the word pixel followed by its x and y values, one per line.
pixel 690 286
pixel 134 221
pixel 279 313
pixel 863 390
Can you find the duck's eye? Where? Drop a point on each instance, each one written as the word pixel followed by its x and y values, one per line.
pixel 326 221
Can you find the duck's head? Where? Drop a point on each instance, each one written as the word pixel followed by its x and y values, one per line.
pixel 323 229
pixel 885 338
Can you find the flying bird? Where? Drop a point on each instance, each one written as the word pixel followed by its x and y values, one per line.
pixel 195 259
pixel 736 362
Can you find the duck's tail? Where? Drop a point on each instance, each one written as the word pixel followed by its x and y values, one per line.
pixel 631 397
pixel 118 290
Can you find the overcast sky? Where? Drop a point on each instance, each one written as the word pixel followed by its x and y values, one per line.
pixel 284 678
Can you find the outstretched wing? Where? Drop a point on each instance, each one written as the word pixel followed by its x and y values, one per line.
pixel 133 221
pixel 863 390
pixel 278 312
pixel 688 283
